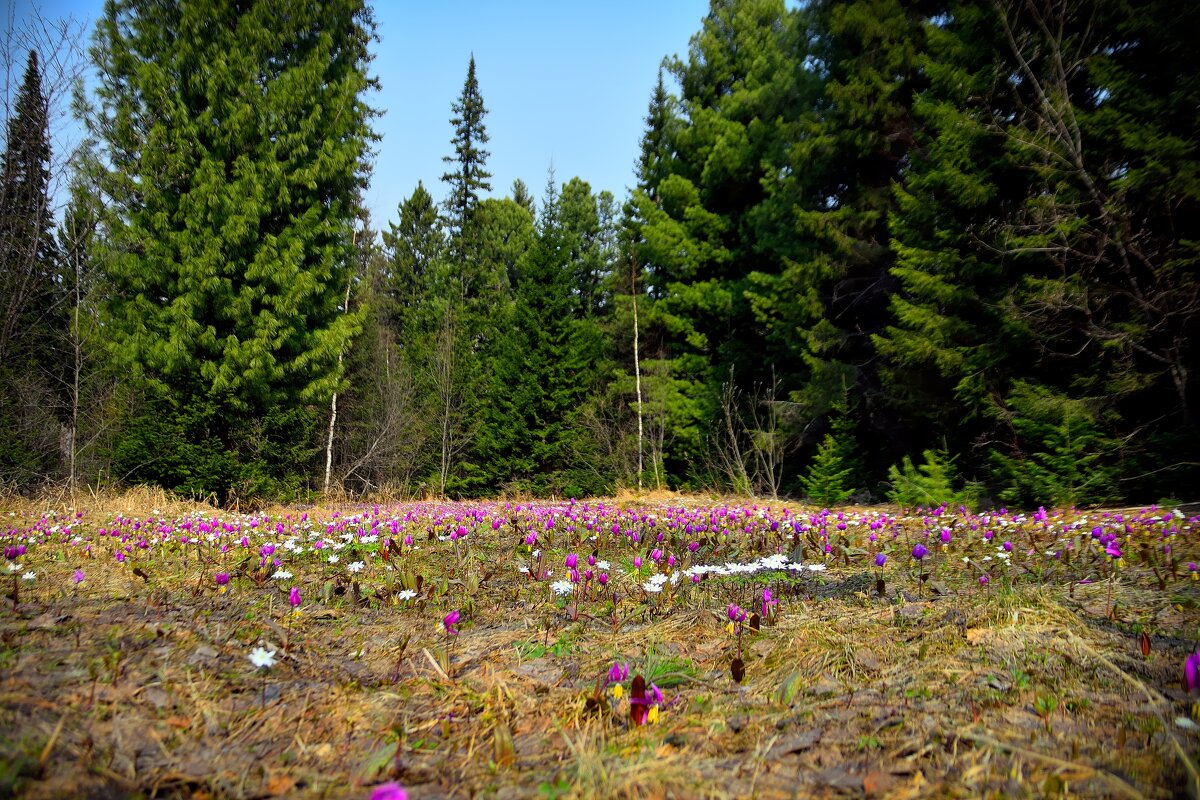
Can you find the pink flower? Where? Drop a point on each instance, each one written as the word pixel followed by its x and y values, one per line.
pixel 1191 672
pixel 449 621
pixel 294 597
pixel 389 791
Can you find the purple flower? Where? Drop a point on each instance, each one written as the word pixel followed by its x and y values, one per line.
pixel 767 602
pixel 654 695
pixel 880 559
pixel 919 551
pixel 945 536
pixel 602 578
pixel 294 597
pixel 618 672
pixel 983 580
pixel 736 614
pixel 572 560
pixel 1191 672
pixel 389 791
pixel 222 578
pixel 449 621
pixel 78 576
pixel 1113 550
pixel 1008 547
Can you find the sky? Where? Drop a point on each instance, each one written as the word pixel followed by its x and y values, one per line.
pixel 566 84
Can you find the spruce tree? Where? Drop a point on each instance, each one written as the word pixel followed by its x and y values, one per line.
pixel 468 176
pixel 32 310
pixel 234 141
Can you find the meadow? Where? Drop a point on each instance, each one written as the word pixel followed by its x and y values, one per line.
pixel 632 647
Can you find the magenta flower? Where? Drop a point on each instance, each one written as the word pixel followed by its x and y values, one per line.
pixel 294 597
pixel 767 602
pixel 389 791
pixel 736 614
pixel 222 578
pixel 78 576
pixel 618 672
pixel 1113 550
pixel 1191 672
pixel 572 560
pixel 449 621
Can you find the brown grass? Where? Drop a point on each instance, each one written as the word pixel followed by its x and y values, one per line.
pixel 142 687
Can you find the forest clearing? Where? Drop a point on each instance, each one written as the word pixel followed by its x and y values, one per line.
pixel 664 647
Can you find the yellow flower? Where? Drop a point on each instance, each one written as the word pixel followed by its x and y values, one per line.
pixel 652 715
pixel 729 628
pixel 618 691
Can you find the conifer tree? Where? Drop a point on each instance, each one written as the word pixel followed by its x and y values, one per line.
pixel 234 142
pixel 32 310
pixel 468 176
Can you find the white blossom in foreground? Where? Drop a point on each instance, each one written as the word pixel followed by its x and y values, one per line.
pixel 262 658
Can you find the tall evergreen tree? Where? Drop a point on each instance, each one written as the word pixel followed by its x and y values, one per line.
pixel 31 306
pixel 234 144
pixel 468 176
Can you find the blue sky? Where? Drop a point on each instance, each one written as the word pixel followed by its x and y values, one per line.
pixel 564 82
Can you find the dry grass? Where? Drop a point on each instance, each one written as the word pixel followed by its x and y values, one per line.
pixel 127 686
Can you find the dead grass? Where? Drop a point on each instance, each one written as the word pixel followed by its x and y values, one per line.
pixel 127 686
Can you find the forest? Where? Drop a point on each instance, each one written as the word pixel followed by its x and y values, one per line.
pixel 928 252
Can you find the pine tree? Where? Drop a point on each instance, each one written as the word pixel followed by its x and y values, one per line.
pixel 468 177
pixel 32 310
pixel 413 246
pixel 522 197
pixel 235 143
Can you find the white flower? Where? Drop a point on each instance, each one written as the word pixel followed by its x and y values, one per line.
pixel 281 575
pixel 263 658
pixel 407 594
pixel 524 570
pixel 562 588
pixel 355 566
pixel 536 553
pixel 603 566
pixel 657 579
pixel 14 567
pixel 333 559
pixel 652 587
pixel 816 567
pixel 29 576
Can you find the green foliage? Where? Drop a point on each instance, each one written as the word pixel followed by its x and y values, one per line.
pixel 1063 459
pixel 468 176
pixel 826 482
pixel 32 306
pixel 929 485
pixel 233 148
